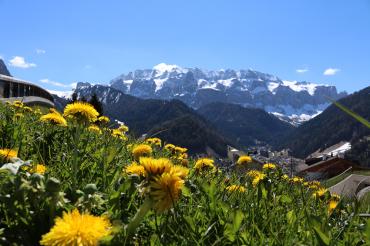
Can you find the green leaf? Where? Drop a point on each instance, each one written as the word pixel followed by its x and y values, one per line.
pixel 232 228
pixel 286 199
pixel 190 222
pixel 322 237
pixel 291 217
pixel 367 232
pixel 264 192
pixel 351 113
pixel 185 191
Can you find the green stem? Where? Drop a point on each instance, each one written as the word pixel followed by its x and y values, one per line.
pixel 76 137
pixel 139 216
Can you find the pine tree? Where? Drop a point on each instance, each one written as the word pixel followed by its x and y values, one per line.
pixel 96 103
pixel 74 97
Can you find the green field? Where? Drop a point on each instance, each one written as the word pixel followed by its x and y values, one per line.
pixel 87 184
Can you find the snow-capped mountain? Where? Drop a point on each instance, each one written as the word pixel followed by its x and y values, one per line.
pixel 292 101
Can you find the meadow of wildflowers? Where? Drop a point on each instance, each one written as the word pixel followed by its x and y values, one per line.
pixel 69 178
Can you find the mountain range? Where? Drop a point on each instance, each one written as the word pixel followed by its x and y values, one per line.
pixel 291 101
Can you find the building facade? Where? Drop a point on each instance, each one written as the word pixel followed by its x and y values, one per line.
pixel 12 89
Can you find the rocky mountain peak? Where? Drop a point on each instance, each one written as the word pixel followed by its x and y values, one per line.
pixel 294 101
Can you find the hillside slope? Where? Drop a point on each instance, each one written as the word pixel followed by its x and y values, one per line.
pixel 330 127
pixel 247 126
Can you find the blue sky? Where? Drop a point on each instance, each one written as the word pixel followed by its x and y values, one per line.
pixel 61 42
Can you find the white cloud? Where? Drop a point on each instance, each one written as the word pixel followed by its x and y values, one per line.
pixel 40 51
pixel 50 82
pixel 73 85
pixel 18 61
pixel 331 71
pixel 302 70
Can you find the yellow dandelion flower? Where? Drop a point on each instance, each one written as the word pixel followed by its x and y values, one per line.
pixel 103 119
pixel 320 192
pixel 155 166
pixel 332 205
pixel 77 229
pixel 253 173
pixel 315 182
pixel 54 118
pixel 285 177
pixel 123 128
pixel 183 156
pixel 180 150
pixel 244 159
pixel 94 128
pixel 142 150
pixel 165 190
pixel 238 188
pixel 154 141
pixel 39 168
pixel 118 134
pixel 27 109
pixel 180 171
pixel 313 185
pixel 335 197
pixel 269 166
pixel 257 179
pixel 134 168
pixel 169 147
pixel 82 111
pixel 7 154
pixel 204 163
pixel 18 104
pixel 296 180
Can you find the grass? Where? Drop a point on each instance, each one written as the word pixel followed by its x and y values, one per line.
pixel 165 204
pixel 365 204
pixel 336 179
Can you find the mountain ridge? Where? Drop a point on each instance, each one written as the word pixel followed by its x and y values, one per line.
pixel 292 101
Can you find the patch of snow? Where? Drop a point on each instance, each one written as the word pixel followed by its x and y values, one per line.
pixel 226 82
pixel 294 115
pixel 299 86
pixel 272 87
pixel 161 68
pixel 210 86
pixel 63 94
pixel 128 83
pixel 159 83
